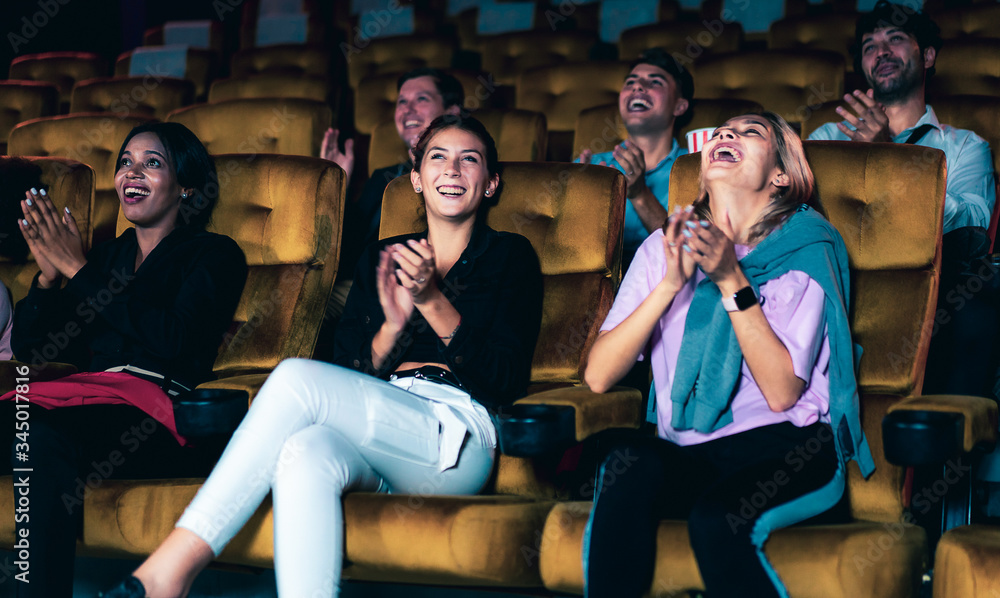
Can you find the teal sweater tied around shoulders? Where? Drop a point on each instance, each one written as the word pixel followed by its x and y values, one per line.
pixel 710 359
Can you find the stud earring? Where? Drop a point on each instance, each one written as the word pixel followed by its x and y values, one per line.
pixel 184 195
pixel 418 189
pixel 487 194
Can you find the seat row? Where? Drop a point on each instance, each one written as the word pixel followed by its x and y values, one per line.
pixel 793 83
pixel 526 533
pixel 295 126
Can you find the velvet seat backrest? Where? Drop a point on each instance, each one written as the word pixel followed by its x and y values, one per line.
pixel 63 69
pixel 132 96
pixel 287 126
pixel 270 85
pixel 788 82
pixel 966 66
pixel 285 213
pixel 561 92
pixel 509 54
pixel 399 55
pixel 689 41
pixel 833 32
pixel 23 100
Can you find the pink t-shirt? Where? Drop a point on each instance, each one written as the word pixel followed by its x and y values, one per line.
pixel 792 304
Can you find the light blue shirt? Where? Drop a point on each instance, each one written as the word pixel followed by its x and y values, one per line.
pixel 658 181
pixel 970 193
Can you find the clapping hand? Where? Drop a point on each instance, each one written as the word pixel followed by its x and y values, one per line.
pixel 397 305
pixel 53 238
pixel 631 158
pixel 868 119
pixel 710 245
pixel 680 264
pixel 329 150
pixel 415 268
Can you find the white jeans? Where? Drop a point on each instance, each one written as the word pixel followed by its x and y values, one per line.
pixel 317 430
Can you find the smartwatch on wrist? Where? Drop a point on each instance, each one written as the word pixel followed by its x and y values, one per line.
pixel 742 299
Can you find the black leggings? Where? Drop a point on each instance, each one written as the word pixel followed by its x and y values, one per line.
pixel 72 451
pixel 722 488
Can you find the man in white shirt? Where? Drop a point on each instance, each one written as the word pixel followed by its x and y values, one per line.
pixel 895 48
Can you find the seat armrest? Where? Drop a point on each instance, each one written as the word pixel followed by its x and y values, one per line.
pixel 934 428
pixel 207 412
pixel 10 371
pixel 555 419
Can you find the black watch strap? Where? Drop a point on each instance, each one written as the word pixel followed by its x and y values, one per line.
pixel 742 299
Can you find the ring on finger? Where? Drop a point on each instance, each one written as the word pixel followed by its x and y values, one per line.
pixel 421 280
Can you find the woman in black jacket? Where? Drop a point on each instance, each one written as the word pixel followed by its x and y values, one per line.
pixel 141 316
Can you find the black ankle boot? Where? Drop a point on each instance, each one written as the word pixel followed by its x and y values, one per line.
pixel 129 588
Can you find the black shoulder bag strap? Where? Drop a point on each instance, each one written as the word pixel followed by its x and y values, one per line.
pixel 918 133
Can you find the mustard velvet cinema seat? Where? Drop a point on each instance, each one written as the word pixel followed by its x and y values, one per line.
pixel 834 32
pixel 561 92
pixel 975 20
pixel 966 66
pixel 63 69
pixel 91 138
pixel 687 41
pixel 520 137
pixel 398 55
pixel 788 82
pixel 290 59
pixel 507 55
pixel 291 126
pixel 886 200
pixel 126 96
pixel 285 213
pixel 22 100
pixel 966 563
pixel 270 85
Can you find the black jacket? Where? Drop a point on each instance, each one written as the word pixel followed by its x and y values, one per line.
pixel 168 317
pixel 496 286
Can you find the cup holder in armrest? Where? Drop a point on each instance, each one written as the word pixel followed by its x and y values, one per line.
pixel 210 411
pixel 535 430
pixel 914 438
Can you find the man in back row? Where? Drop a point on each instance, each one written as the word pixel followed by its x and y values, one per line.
pixel 895 48
pixel 656 94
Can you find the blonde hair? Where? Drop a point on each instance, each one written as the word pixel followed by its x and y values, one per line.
pixel 791 159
